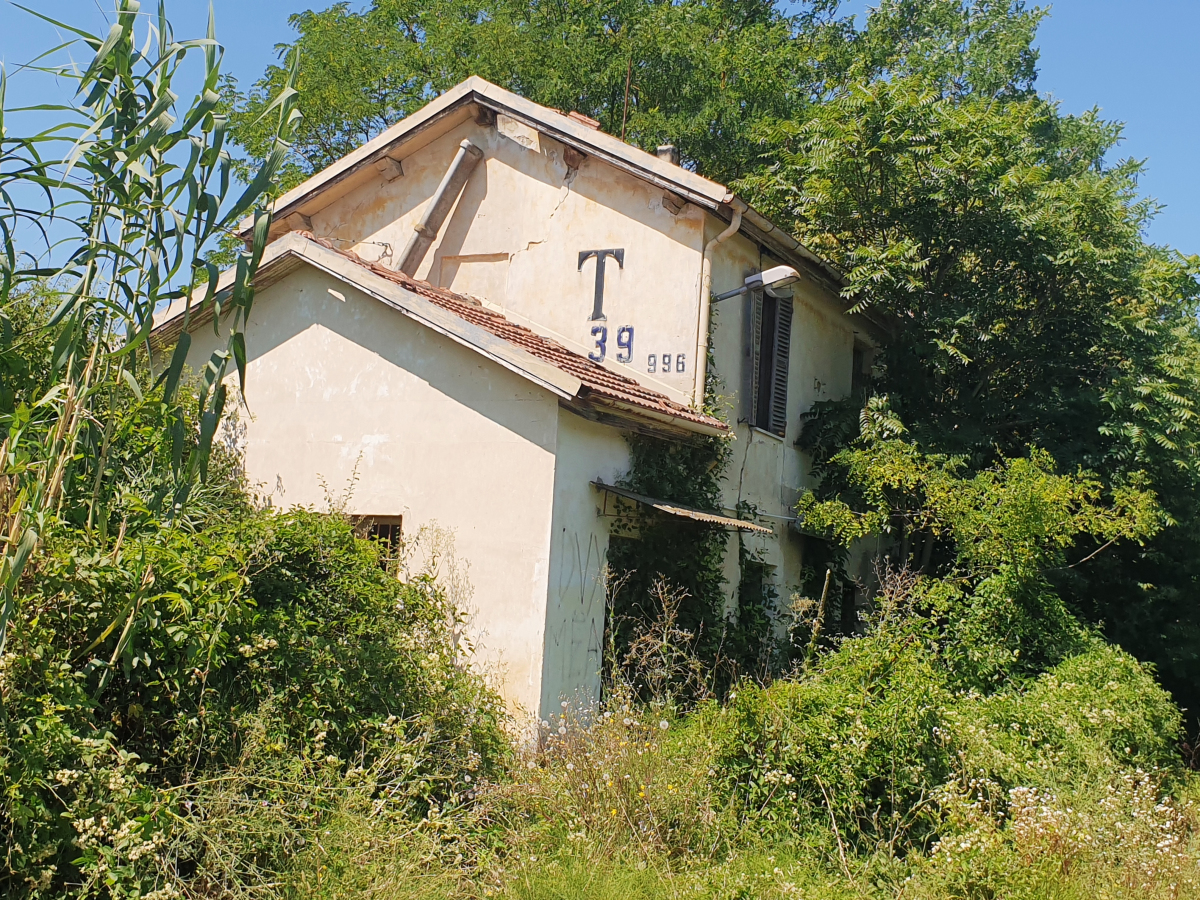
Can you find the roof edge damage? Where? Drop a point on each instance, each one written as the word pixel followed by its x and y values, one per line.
pixel 384 150
pixel 580 384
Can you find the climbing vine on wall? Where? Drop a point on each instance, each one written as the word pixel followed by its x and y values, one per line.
pixel 649 547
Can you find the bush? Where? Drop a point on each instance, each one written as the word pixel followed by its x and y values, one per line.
pixel 151 663
pixel 859 742
pixel 876 743
pixel 1069 730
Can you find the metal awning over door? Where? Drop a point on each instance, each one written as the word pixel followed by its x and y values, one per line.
pixel 684 512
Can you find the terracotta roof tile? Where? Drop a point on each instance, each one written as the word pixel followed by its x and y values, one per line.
pixel 596 378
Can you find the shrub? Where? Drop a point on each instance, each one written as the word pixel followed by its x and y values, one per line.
pixel 875 746
pixel 1069 730
pixel 858 743
pixel 151 663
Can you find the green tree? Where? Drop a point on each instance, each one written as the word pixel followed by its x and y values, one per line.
pixel 694 73
pixel 1033 311
pixel 985 542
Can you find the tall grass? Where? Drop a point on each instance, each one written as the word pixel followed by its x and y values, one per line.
pixel 1066 786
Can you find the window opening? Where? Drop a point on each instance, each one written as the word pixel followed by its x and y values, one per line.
pixel 386 531
pixel 767 356
pixel 858 378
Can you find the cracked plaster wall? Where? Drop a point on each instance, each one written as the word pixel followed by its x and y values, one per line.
pixel 514 238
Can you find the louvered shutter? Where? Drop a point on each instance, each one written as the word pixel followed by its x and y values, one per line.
pixel 779 372
pixel 751 356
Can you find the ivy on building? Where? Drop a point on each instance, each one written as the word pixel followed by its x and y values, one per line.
pixel 732 634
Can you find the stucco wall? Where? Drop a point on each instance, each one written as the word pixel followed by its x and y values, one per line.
pixel 514 238
pixel 438 434
pixel 587 452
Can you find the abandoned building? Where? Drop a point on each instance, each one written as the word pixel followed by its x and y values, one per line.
pixel 471 312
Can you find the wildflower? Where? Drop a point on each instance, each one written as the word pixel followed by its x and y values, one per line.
pixel 612 812
pixel 664 724
pixel 563 704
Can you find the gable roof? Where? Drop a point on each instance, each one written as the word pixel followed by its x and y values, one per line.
pixel 569 129
pixel 580 384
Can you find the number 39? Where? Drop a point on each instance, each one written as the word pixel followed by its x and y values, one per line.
pixel 624 343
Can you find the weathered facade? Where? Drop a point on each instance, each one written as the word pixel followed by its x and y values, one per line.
pixel 473 310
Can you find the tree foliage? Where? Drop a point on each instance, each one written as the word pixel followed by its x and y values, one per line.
pixel 1031 311
pixel 140 188
pixel 694 72
pixel 985 542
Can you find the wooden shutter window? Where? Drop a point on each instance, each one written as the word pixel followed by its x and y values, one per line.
pixel 779 380
pixel 766 363
pixel 751 357
pixel 766 355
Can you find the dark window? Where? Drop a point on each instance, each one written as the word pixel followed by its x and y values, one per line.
pixel 767 353
pixel 858 378
pixel 386 531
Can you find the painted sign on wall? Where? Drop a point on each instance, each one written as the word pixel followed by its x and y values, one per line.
pixel 666 363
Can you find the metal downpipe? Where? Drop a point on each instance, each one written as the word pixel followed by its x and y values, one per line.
pixel 426 231
pixel 705 320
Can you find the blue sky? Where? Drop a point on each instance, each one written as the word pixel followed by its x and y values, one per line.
pixel 1132 58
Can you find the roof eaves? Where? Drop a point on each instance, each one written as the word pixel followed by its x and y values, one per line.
pixel 692 187
pixel 625 156
pixel 674 421
pixel 443 321
pixel 296 247
pixel 372 151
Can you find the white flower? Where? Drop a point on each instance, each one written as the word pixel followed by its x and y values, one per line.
pixel 664 724
pixel 563 704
